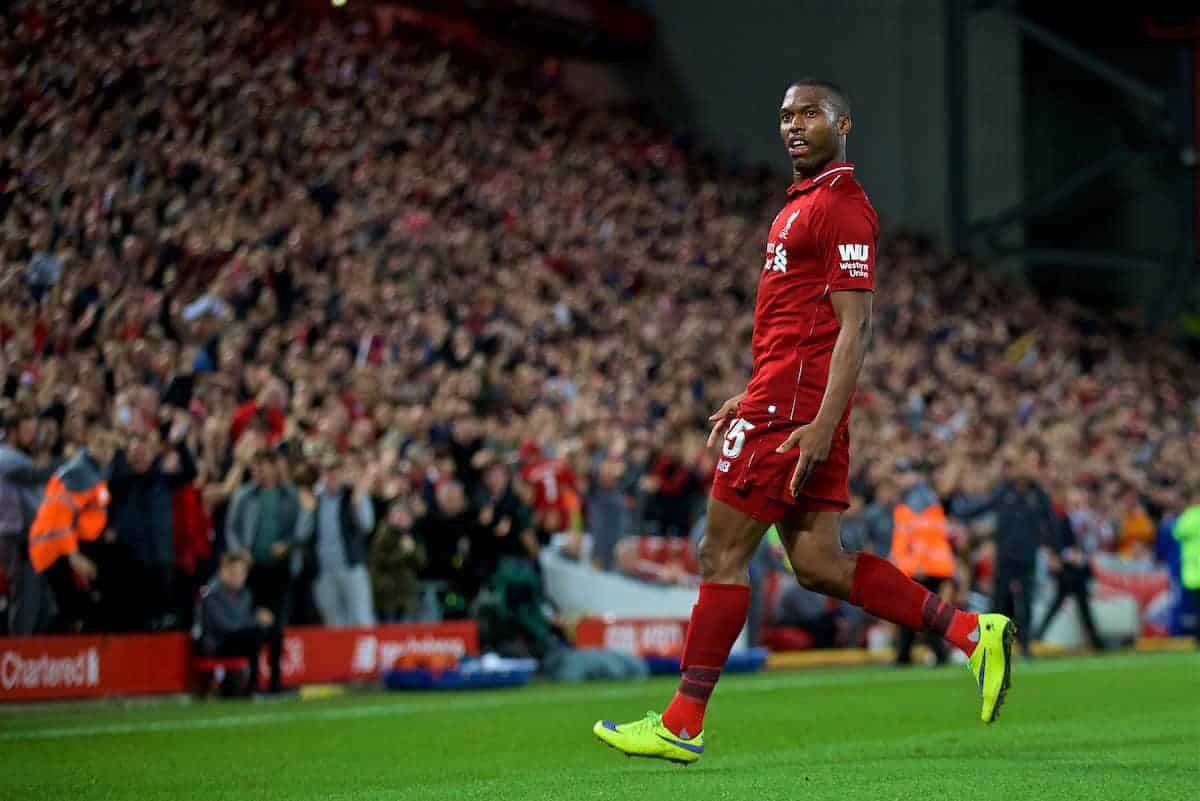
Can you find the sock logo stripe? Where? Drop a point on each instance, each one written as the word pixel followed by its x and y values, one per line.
pixel 700 692
pixel 702 673
pixel 936 615
pixel 929 611
pixel 941 621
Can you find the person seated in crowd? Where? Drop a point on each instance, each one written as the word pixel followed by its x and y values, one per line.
pixel 231 624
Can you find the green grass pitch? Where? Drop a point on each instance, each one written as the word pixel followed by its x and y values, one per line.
pixel 1122 727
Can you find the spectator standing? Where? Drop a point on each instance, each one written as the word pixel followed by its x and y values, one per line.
pixel 337 522
pixel 263 520
pixel 447 532
pixel 505 522
pixel 1024 522
pixel 880 518
pixel 396 561
pixel 193 535
pixel 141 480
pixel 267 411
pixel 1187 532
pixel 30 600
pixel 674 482
pixel 1136 541
pixel 1070 562
pixel 609 509
pixel 231 625
pixel 555 498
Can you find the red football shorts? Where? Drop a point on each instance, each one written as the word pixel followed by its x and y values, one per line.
pixel 752 478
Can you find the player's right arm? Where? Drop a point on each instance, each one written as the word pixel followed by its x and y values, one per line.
pixel 722 416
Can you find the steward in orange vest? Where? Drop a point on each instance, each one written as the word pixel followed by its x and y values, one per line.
pixel 921 549
pixel 921 542
pixel 73 510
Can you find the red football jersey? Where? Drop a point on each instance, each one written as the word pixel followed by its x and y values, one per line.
pixel 823 241
pixel 554 489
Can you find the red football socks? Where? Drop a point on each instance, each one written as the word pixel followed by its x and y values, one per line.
pixel 880 588
pixel 717 619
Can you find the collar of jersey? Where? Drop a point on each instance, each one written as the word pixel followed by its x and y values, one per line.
pixel 834 169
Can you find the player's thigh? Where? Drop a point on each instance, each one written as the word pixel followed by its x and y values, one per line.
pixel 812 537
pixel 730 539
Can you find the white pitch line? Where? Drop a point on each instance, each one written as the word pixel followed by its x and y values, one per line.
pixel 732 684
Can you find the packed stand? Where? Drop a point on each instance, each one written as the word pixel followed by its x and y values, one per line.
pixel 388 319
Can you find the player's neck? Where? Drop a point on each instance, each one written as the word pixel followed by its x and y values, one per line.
pixel 804 174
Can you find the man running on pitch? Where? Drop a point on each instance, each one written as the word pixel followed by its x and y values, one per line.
pixel 786 451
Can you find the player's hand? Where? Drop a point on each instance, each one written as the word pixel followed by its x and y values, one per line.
pixel 813 442
pixel 722 416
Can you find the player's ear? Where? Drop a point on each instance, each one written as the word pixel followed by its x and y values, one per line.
pixel 844 124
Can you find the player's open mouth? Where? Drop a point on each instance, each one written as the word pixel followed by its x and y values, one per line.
pixel 797 147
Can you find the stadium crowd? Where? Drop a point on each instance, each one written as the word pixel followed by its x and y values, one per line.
pixel 387 316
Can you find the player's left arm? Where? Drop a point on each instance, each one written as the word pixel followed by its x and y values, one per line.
pixel 853 311
pixel 846 235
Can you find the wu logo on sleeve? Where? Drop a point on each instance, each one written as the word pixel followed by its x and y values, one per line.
pixel 854 252
pixel 855 259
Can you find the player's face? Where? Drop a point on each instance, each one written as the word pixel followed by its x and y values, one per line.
pixel 812 139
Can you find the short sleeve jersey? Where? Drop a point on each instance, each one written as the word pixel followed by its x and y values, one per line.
pixel 823 241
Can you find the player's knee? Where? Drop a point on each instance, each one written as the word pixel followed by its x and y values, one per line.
pixel 815 577
pixel 820 567
pixel 708 554
pixel 719 560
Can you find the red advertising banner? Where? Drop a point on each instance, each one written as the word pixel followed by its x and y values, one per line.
pixel 314 654
pixel 640 636
pixel 48 668
pixel 41 668
pixel 1149 586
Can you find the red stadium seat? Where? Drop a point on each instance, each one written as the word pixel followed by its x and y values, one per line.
pixel 212 670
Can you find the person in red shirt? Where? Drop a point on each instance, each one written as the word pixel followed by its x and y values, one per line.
pixel 785 454
pixel 555 490
pixel 266 410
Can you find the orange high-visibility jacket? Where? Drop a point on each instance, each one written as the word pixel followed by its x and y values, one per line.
pixel 74 508
pixel 921 542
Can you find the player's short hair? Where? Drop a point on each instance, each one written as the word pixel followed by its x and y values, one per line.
pixel 836 104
